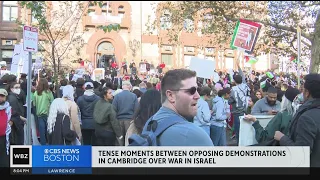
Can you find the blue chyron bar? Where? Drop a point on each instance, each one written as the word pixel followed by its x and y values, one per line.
pixel 61 160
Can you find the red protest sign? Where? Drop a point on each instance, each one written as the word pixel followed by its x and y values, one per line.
pixel 245 35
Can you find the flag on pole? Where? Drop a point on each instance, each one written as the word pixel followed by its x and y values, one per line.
pixel 251 59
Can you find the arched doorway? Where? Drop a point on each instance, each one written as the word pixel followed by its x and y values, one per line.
pixel 105 54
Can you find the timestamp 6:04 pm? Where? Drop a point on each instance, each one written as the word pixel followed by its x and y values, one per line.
pixel 20 170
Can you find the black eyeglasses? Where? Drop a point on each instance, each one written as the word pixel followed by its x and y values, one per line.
pixel 191 90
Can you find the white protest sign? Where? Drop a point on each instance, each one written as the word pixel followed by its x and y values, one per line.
pixel 98 74
pixel 247 133
pixel 204 68
pixel 30 39
pixel 37 65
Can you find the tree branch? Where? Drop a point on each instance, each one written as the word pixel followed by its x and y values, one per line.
pixel 74 32
pixel 62 25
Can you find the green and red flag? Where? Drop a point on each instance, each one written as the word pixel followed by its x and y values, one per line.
pixel 293 59
pixel 251 59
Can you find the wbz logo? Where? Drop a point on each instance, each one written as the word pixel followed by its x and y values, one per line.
pixel 20 155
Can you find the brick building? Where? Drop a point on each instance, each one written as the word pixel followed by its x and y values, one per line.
pixel 131 42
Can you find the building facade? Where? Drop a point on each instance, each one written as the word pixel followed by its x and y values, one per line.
pixel 131 42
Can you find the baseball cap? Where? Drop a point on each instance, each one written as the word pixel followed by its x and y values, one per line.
pixel 3 92
pixel 88 85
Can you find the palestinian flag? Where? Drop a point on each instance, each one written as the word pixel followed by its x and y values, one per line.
pixel 250 59
pixel 293 59
pixel 270 75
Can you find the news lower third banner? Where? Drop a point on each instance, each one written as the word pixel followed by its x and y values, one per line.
pixel 153 160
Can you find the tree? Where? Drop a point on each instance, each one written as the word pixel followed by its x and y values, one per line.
pixel 60 28
pixel 280 20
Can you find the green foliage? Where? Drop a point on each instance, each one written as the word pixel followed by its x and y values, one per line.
pixel 109 28
pixel 279 19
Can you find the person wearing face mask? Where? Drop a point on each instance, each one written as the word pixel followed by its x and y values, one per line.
pixel 5 128
pixel 305 125
pixel 17 121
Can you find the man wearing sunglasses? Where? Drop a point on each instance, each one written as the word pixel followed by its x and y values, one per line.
pixel 179 98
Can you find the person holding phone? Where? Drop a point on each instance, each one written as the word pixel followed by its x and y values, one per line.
pixel 268 105
pixel 280 122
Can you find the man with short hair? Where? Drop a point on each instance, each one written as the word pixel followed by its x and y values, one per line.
pixel 239 99
pixel 305 125
pixel 268 105
pixel 179 98
pixel 125 104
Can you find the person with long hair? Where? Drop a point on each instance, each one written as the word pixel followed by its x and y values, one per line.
pixel 280 122
pixel 150 103
pixel 41 100
pixel 59 125
pixel 107 127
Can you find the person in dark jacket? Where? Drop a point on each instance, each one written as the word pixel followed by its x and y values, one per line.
pixel 279 122
pixel 86 104
pixel 79 88
pixel 59 132
pixel 17 129
pixel 107 127
pixel 96 89
pixel 305 125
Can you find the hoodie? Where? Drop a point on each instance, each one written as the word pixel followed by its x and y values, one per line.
pixel 86 104
pixel 6 106
pixel 220 110
pixel 203 113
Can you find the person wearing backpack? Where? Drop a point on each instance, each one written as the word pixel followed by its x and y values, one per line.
pixel 305 125
pixel 172 124
pixel 239 98
pixel 149 104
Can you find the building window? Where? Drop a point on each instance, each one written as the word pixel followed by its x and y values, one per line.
pixel 7 56
pixel 165 20
pixel 9 10
pixel 91 12
pixel 8 42
pixel 121 11
pixel 188 25
pixel 120 8
pixel 167 59
pixel 105 8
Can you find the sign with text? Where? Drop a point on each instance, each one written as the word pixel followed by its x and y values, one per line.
pixel 245 35
pixel 30 39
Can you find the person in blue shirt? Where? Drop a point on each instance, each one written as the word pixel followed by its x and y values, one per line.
pixel 202 119
pixel 179 98
pixel 221 112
